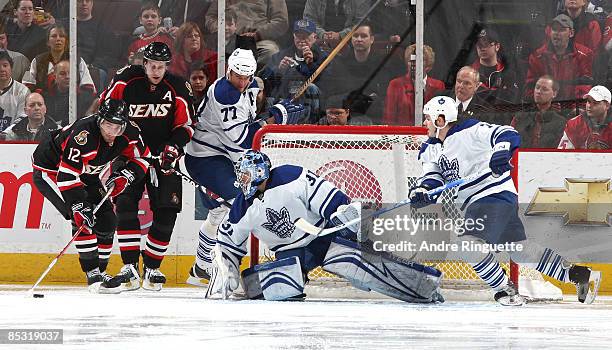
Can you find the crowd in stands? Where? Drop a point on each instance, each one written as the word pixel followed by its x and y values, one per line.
pixel 540 75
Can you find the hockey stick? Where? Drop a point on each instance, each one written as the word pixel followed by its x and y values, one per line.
pixel 206 191
pixel 30 292
pixel 309 228
pixel 333 54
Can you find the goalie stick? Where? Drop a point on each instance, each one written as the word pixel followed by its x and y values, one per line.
pixel 309 228
pixel 30 292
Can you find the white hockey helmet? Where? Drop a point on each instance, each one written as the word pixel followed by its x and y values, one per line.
pixel 242 62
pixel 441 105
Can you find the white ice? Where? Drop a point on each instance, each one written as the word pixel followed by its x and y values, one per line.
pixel 180 317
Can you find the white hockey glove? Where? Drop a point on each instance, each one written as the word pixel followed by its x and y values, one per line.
pixel 345 214
pixel 224 279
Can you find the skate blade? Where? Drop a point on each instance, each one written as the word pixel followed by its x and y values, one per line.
pixel 196 281
pixel 94 288
pixel 105 290
pixel 514 300
pixel 156 287
pixel 592 294
pixel 131 285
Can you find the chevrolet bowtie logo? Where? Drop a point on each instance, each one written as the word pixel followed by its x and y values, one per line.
pixel 582 201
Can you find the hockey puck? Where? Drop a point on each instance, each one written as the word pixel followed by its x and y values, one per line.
pixel 39 295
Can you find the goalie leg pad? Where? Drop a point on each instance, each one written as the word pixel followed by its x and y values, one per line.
pixel 382 272
pixel 276 280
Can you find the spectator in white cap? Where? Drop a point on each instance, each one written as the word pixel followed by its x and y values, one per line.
pixel 592 129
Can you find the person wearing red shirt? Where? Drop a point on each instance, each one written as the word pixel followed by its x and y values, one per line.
pixel 189 48
pixel 399 103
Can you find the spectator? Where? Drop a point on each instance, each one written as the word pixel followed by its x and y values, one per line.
pixel 265 21
pixel 20 63
pixel 568 63
pixel 189 48
pixel 359 70
pixel 95 43
pixel 399 102
pixel 231 28
pixel 56 97
pixel 587 31
pixel 289 69
pixel 541 125
pixel 498 81
pixel 41 74
pixel 150 19
pixel 177 12
pixel 394 18
pixel 12 93
pixel 469 104
pixel 198 78
pixel 338 112
pixel 35 124
pixel 24 36
pixel 336 20
pixel 592 129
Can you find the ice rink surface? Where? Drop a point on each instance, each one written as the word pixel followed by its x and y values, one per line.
pixel 179 318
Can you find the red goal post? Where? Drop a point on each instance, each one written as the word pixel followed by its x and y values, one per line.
pixel 378 163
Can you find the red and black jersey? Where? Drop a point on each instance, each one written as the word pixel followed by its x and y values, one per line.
pixel 163 111
pixel 77 154
pixel 581 133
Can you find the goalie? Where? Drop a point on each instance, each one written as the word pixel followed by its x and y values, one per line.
pixel 269 203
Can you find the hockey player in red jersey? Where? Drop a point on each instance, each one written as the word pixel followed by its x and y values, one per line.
pixel 71 160
pixel 592 129
pixel 161 104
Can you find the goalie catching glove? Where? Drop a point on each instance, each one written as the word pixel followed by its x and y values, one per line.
pixel 119 180
pixel 345 214
pixel 286 113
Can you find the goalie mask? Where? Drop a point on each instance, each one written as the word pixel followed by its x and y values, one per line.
pixel 252 169
pixel 441 105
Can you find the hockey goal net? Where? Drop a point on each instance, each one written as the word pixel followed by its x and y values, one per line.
pixel 376 164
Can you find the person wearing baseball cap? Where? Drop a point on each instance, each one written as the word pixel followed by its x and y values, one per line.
pixel 570 63
pixel 498 81
pixel 587 30
pixel 592 129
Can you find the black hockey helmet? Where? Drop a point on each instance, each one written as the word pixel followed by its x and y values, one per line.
pixel 113 111
pixel 157 51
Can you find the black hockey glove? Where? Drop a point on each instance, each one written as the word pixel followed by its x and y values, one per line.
pixel 419 197
pixel 168 157
pixel 286 113
pixel 119 180
pixel 82 213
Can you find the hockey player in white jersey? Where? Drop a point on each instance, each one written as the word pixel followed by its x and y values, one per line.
pixel 269 203
pixel 459 148
pixel 225 127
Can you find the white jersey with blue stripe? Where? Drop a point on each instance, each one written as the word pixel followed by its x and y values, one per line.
pixel 225 121
pixel 291 192
pixel 466 151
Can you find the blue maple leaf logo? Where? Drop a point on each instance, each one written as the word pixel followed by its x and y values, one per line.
pixel 279 222
pixel 450 168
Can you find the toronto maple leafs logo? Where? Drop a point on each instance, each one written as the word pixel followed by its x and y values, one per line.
pixel 279 222
pixel 450 168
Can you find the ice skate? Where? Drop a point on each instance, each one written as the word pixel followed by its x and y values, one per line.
pixel 509 296
pixel 153 279
pixel 582 277
pixel 128 278
pixel 198 277
pixel 94 280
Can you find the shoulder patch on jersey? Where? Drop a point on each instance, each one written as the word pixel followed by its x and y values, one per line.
pixel 226 93
pixel 81 138
pixel 283 174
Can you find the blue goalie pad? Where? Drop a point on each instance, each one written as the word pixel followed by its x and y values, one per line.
pixel 276 280
pixel 367 269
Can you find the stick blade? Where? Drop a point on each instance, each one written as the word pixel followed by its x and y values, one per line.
pixel 307 227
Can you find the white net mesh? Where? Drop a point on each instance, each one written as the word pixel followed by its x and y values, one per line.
pixel 370 164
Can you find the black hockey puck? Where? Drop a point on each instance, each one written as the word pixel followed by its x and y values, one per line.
pixel 39 295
